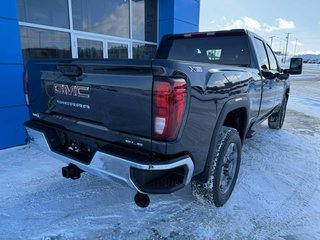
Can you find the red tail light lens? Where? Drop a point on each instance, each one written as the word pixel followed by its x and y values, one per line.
pixel 168 108
pixel 26 87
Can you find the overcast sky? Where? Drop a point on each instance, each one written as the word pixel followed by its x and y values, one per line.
pixel 268 18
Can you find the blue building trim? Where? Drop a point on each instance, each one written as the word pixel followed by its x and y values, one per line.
pixel 11 122
pixel 9 9
pixel 10 44
pixel 178 16
pixel 11 83
pixel 13 110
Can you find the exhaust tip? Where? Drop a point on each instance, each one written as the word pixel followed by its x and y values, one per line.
pixel 65 172
pixel 71 171
pixel 142 200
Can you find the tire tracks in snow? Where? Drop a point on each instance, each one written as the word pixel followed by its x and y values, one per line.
pixel 279 218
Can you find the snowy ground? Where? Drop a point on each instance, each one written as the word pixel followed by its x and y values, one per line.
pixel 311 66
pixel 277 195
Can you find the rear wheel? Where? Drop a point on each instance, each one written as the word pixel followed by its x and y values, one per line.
pixel 224 171
pixel 275 121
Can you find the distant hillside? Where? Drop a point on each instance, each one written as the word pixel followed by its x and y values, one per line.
pixel 310 56
pixel 305 57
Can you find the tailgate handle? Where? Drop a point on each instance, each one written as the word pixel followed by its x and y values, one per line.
pixel 70 70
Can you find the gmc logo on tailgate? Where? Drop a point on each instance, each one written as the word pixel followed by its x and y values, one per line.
pixel 73 90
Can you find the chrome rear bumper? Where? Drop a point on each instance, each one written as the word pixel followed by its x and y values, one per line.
pixel 106 165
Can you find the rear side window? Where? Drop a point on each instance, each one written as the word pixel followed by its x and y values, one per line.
pixel 228 50
pixel 272 59
pixel 261 54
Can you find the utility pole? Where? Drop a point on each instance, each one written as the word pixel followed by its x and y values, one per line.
pixel 295 47
pixel 285 54
pixel 271 40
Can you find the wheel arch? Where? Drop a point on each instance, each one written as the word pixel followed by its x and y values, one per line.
pixel 239 105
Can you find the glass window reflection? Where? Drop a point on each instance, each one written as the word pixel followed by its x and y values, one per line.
pixel 39 43
pixel 101 16
pixel 52 13
pixel 117 51
pixel 144 20
pixel 143 51
pixel 272 60
pixel 262 54
pixel 90 49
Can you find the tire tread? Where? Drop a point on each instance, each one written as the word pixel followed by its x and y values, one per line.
pixel 204 191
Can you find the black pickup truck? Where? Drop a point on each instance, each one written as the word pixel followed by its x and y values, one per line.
pixel 163 123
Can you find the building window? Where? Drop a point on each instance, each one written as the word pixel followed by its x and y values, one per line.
pixel 101 16
pixel 117 51
pixel 144 20
pixel 98 28
pixel 52 13
pixel 40 43
pixel 143 51
pixel 90 49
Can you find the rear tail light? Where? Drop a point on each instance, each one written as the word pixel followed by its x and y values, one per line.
pixel 168 108
pixel 26 87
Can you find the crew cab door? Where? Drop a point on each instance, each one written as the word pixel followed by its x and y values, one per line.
pixel 279 84
pixel 269 90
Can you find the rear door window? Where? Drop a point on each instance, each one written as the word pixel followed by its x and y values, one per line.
pixel 272 60
pixel 261 54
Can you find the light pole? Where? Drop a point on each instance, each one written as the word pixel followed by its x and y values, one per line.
pixel 285 54
pixel 295 47
pixel 271 40
pixel 280 47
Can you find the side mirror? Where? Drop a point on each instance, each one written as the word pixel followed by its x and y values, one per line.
pixel 283 75
pixel 267 74
pixel 295 66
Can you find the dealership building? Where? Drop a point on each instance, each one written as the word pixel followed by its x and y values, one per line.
pixel 84 29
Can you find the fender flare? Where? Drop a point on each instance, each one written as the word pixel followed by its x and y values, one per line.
pixel 230 105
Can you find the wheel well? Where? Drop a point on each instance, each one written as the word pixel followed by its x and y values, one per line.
pixel 237 119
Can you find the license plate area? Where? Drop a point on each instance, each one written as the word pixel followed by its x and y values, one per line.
pixel 73 145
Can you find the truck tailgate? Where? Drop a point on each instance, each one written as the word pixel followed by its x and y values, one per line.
pixel 113 94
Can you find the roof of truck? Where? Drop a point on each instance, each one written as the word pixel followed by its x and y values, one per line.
pixel 232 32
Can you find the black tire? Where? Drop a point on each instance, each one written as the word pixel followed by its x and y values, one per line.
pixel 275 121
pixel 212 191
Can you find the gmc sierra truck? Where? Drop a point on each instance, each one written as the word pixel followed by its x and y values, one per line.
pixel 160 124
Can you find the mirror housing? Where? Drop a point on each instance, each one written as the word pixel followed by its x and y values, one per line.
pixel 295 66
pixel 267 74
pixel 283 75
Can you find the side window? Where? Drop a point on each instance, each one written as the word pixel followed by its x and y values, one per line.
pixel 272 60
pixel 261 53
